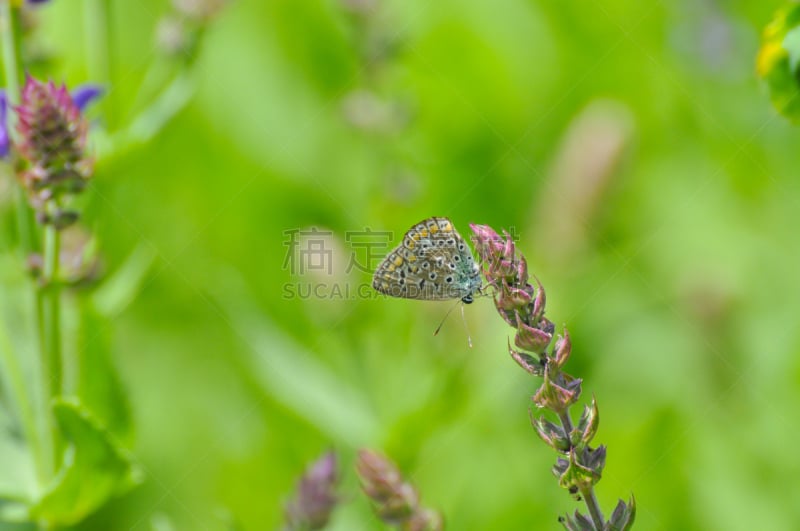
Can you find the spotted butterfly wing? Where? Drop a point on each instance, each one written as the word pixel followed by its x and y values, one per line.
pixel 433 262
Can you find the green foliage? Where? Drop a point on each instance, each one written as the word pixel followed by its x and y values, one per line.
pixel 94 469
pixel 779 58
pixel 679 283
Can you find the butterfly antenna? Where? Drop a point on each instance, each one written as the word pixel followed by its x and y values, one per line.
pixel 438 328
pixel 466 328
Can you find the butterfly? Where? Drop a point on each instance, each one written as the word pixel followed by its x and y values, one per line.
pixel 432 263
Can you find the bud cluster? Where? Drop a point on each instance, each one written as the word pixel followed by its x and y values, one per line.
pixel 395 501
pixel 53 163
pixel 522 305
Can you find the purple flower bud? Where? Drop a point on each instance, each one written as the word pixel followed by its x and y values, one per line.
pixel 512 298
pixel 624 515
pixel 51 142
pixel 562 349
pixel 395 501
pixel 502 268
pixel 552 434
pixel 484 238
pixel 531 338
pixel 577 522
pixel 587 426
pixel 582 470
pixel 82 96
pixel 557 393
pixel 539 302
pixel 315 497
pixel 522 271
pixel 86 94
pixel 509 250
pixel 527 362
pixel 5 141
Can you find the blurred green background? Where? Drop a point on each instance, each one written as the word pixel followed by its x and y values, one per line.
pixel 629 144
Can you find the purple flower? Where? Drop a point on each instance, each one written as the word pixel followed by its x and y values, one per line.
pixel 85 94
pixel 395 500
pixel 81 96
pixel 5 142
pixel 50 147
pixel 316 497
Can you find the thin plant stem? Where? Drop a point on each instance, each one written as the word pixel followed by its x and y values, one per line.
pixel 593 505
pixel 522 305
pixel 566 422
pixel 41 441
pixel 51 312
pixel 14 73
pixel 587 494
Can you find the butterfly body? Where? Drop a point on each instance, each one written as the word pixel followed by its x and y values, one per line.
pixel 433 262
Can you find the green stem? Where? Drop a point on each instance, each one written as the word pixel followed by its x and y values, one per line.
pixel 52 244
pixel 587 494
pixel 39 427
pixel 594 507
pixel 99 52
pixel 10 22
pixel 51 313
pixel 12 49
pixel 566 422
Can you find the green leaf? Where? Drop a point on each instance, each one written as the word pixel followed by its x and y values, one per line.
pixel 17 481
pixel 121 288
pixel 778 61
pixel 100 389
pixel 94 468
pixel 791 43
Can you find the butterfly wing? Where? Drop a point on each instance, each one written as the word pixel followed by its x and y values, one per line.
pixel 431 263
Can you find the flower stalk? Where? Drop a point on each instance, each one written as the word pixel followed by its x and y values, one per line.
pixel 51 166
pixel 39 428
pixel 52 308
pixel 522 305
pixel 11 35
